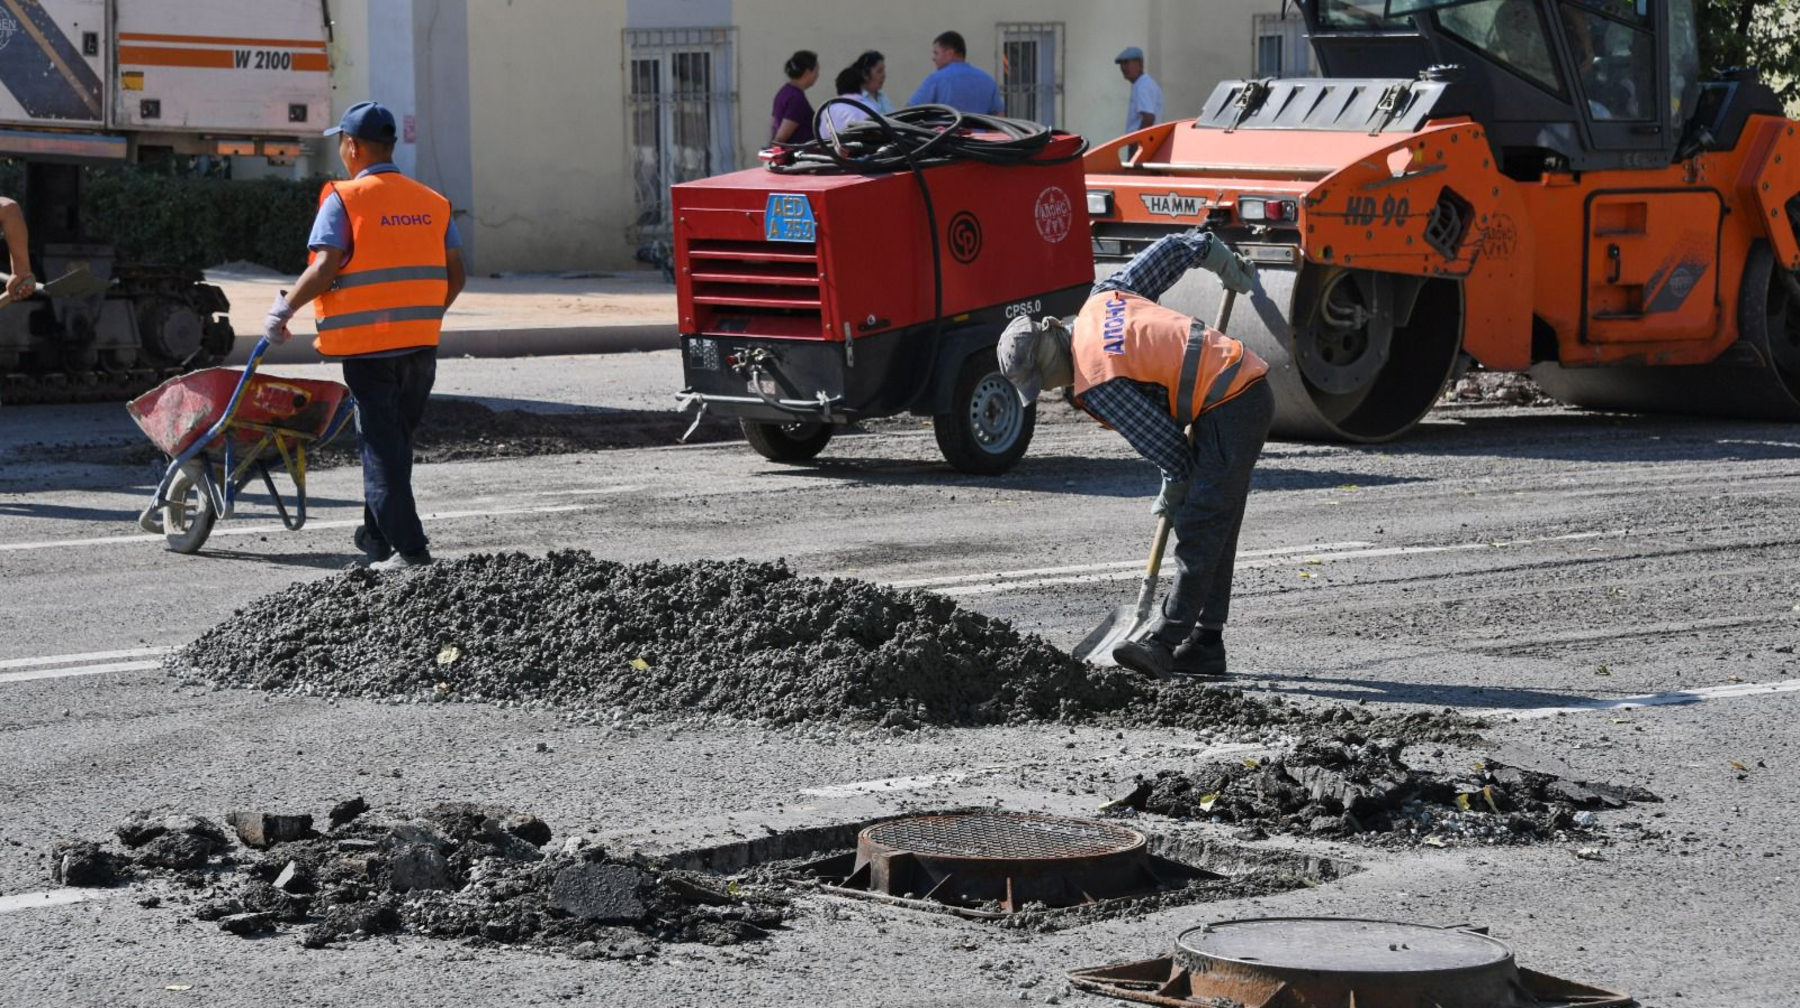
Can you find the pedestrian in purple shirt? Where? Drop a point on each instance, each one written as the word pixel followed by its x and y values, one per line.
pixel 792 118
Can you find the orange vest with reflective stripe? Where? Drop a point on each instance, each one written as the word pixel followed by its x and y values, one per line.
pixel 390 295
pixel 1119 335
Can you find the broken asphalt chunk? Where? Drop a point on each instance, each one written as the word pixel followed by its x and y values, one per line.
pixel 263 829
pixel 608 893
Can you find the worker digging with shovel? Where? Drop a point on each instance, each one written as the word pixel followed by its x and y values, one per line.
pixel 1192 401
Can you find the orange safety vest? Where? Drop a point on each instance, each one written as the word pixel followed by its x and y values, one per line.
pixel 390 295
pixel 1120 335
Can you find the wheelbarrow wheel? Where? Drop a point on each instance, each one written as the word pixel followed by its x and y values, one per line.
pixel 188 516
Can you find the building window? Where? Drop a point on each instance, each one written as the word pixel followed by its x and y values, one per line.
pixel 1282 49
pixel 1030 61
pixel 680 109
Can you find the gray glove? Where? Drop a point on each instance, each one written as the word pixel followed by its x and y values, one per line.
pixel 275 327
pixel 1237 273
pixel 1171 497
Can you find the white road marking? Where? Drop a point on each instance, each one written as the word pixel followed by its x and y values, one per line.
pixel 55 897
pixel 77 670
pixel 889 785
pixel 239 530
pixel 1075 568
pixel 85 656
pixel 1674 698
pixel 1102 574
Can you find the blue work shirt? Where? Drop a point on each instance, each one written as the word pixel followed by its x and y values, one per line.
pixel 961 86
pixel 331 229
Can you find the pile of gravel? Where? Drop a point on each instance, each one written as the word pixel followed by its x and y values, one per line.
pixel 456 870
pixel 1350 786
pixel 735 640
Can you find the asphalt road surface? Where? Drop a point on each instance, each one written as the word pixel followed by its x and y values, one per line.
pixel 1544 569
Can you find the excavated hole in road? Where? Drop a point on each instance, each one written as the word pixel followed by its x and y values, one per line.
pixel 735 641
pixel 481 874
pixel 1059 872
pixel 1349 786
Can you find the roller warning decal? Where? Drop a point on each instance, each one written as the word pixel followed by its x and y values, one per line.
pixel 42 68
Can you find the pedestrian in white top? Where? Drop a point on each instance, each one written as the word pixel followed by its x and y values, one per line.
pixel 874 70
pixel 1146 97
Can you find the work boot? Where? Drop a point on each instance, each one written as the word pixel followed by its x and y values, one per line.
pixel 1149 657
pixel 372 545
pixel 402 561
pixel 1202 654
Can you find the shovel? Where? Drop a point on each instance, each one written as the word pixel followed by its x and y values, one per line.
pixel 1127 621
pixel 78 282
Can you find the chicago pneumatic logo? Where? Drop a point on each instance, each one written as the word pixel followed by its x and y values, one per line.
pixel 1054 214
pixel 964 237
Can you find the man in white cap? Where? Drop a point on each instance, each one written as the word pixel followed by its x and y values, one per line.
pixel 1146 97
pixel 1149 372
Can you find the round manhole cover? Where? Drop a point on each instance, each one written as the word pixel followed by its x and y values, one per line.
pixel 1004 835
pixel 1003 861
pixel 1347 961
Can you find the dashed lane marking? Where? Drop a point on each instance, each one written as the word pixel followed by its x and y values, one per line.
pixel 1673 698
pixel 85 656
pixel 241 530
pixel 77 670
pixel 55 897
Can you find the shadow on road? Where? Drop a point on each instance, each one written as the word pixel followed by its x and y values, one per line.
pixel 1596 437
pixel 1428 694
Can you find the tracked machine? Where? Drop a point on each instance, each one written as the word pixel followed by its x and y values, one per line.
pixel 1540 185
pixel 104 82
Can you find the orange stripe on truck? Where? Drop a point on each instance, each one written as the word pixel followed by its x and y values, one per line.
pixel 224 40
pixel 220 59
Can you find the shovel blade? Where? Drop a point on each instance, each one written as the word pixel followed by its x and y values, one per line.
pixel 1125 623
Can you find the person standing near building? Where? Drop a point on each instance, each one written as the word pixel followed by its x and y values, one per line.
pixel 792 118
pixel 849 85
pixel 1150 373
pixel 873 67
pixel 955 82
pixel 385 266
pixel 1146 103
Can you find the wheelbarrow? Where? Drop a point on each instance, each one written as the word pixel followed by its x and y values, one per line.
pixel 220 428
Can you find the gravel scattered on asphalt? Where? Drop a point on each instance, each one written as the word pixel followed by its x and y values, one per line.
pixel 737 640
pixel 459 870
pixel 1349 785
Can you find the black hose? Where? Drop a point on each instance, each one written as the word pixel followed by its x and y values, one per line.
pixel 913 139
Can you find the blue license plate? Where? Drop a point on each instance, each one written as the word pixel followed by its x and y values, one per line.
pixel 788 217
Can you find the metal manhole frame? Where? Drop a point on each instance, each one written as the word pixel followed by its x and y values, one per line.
pixel 1177 980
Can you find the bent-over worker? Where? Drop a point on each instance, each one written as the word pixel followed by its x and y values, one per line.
pixel 1149 372
pixel 20 285
pixel 385 266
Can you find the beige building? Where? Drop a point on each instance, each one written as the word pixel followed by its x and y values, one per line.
pixel 556 126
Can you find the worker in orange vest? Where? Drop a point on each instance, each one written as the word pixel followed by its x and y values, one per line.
pixel 1149 373
pixel 385 266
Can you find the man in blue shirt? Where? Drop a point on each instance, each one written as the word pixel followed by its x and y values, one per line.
pixel 955 83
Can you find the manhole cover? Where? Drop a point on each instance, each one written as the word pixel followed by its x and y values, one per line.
pixel 1002 861
pixel 1339 962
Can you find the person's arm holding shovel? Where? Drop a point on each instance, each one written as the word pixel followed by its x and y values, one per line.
pixel 21 284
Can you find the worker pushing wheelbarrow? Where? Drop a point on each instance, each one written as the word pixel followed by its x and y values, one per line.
pixel 221 428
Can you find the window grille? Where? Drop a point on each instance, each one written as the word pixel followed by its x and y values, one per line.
pixel 1030 61
pixel 681 111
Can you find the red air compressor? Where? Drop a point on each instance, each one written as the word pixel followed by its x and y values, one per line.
pixel 819 290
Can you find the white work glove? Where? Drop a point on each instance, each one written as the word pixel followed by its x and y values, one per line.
pixel 1171 497
pixel 275 327
pixel 1236 273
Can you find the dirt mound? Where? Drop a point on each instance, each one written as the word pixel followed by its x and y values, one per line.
pixel 458 870
pixel 737 640
pixel 1350 786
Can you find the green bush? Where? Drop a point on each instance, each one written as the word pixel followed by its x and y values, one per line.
pixel 197 221
pixel 151 215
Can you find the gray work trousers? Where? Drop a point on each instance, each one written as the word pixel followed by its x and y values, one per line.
pixel 1227 441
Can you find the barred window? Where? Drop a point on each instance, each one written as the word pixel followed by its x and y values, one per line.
pixel 681 109
pixel 1282 48
pixel 1030 61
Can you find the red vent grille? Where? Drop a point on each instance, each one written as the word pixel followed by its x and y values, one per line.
pixel 751 288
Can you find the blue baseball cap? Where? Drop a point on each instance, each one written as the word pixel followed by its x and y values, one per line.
pixel 367 121
pixel 1130 53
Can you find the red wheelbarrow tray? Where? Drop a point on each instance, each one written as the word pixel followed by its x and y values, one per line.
pixel 180 411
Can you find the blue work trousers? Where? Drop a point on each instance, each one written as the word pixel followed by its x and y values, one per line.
pixel 390 401
pixel 1227 442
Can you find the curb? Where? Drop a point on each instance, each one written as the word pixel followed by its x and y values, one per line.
pixel 539 342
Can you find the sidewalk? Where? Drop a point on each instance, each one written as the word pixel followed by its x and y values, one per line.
pixel 511 317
